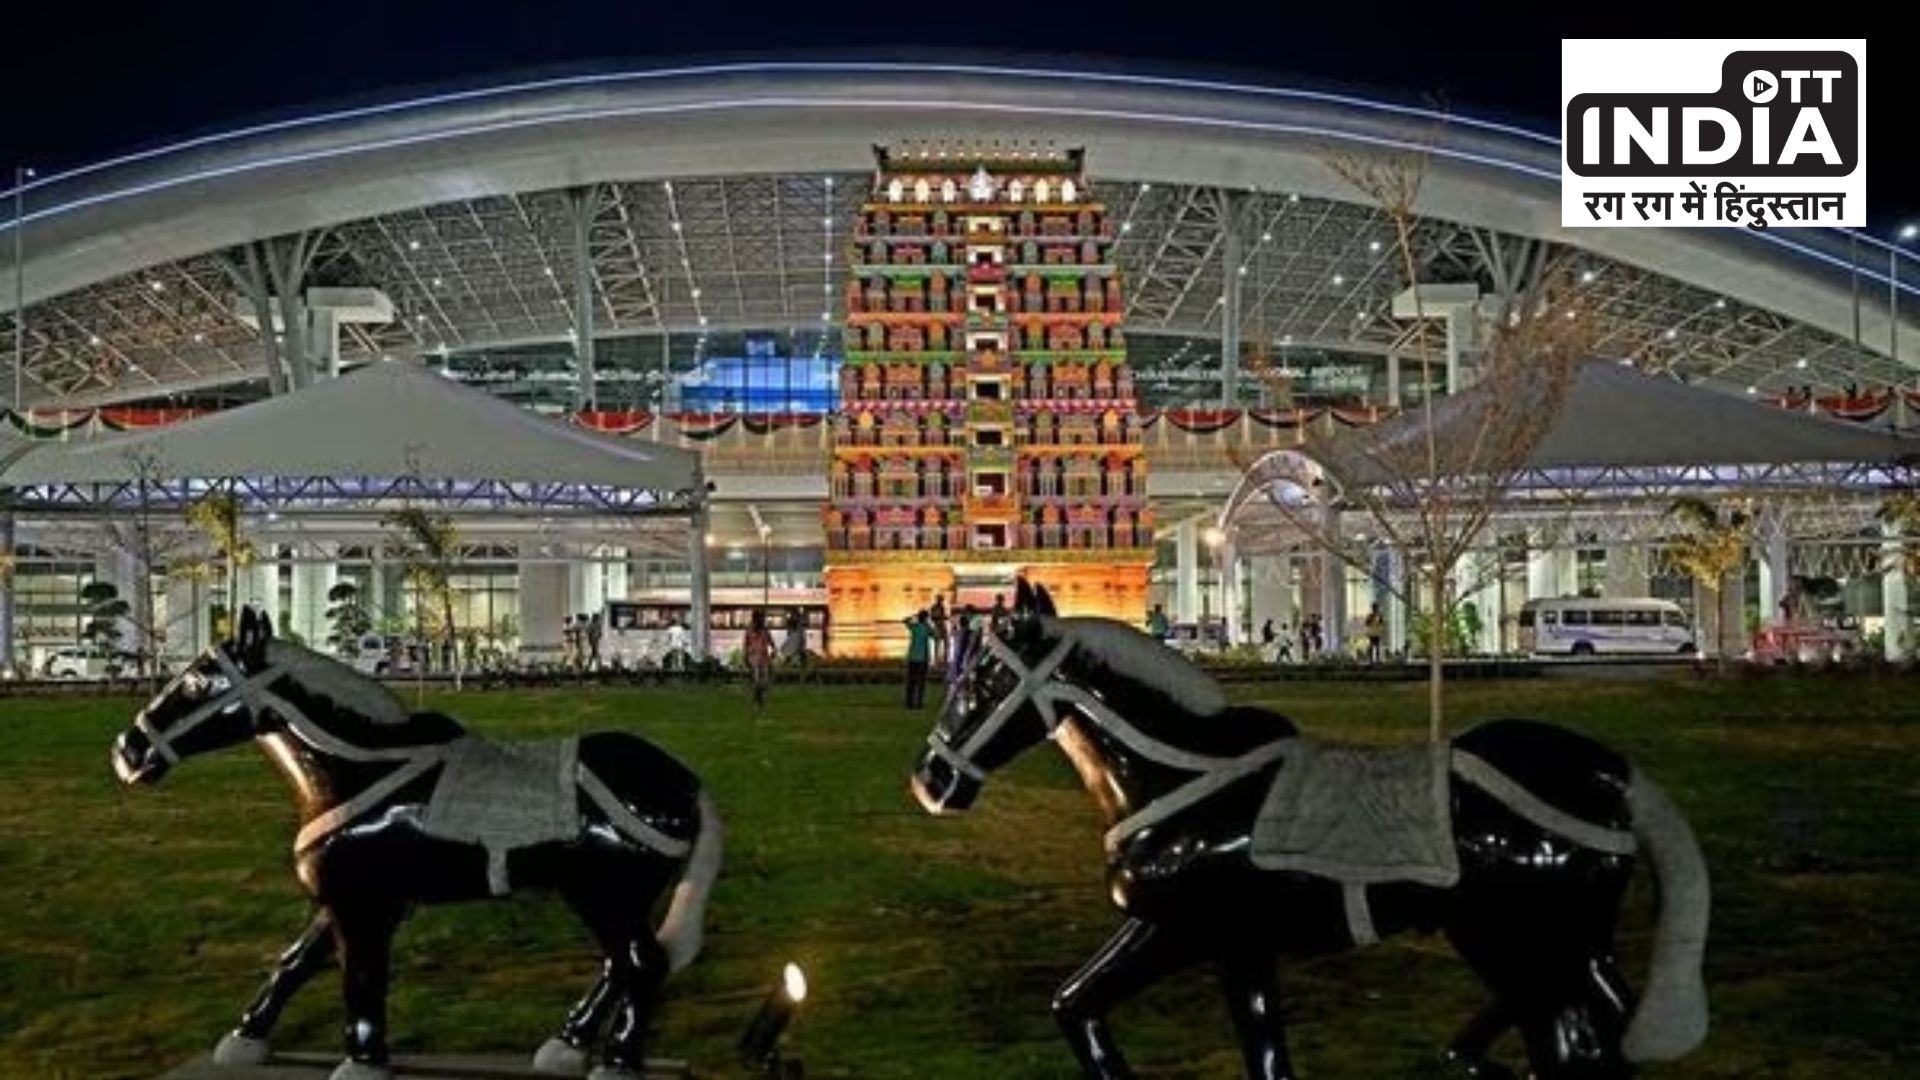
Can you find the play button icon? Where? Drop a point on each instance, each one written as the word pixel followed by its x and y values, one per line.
pixel 1761 87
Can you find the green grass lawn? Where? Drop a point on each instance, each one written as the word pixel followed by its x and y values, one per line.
pixel 134 924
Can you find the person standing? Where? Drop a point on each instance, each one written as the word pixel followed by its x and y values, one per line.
pixel 937 620
pixel 1376 628
pixel 757 650
pixel 919 650
pixel 596 628
pixel 1306 639
pixel 964 629
pixel 1157 624
pixel 1267 636
pixel 997 618
pixel 1284 640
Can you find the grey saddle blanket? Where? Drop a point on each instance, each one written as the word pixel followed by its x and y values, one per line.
pixel 1360 815
pixel 505 796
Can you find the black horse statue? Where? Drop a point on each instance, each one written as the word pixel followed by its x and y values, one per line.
pixel 1233 840
pixel 398 809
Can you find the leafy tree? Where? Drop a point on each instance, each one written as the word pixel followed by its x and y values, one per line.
pixel 104 608
pixel 1711 544
pixel 349 620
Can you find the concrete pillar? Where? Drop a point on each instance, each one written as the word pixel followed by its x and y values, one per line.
pixel 307 615
pixel 1475 583
pixel 1389 585
pixel 1455 335
pixel 1186 571
pixel 1333 591
pixel 543 604
pixel 586 581
pixel 1551 573
pixel 1770 556
pixel 1270 592
pixel 1231 256
pixel 1626 572
pixel 702 592
pixel 1893 596
pixel 1733 640
pixel 8 669
pixel 580 200
pixel 324 331
pixel 613 574
pixel 122 568
pixel 1228 561
pixel 189 628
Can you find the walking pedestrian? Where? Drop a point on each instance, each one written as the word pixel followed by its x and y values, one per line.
pixel 1284 641
pixel 919 649
pixel 757 650
pixel 1306 639
pixel 997 618
pixel 1376 628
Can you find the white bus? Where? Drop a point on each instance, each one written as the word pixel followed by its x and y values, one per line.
pixel 1583 626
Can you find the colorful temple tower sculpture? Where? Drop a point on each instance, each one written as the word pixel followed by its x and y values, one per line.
pixel 987 424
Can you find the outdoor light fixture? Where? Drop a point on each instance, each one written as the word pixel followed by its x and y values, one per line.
pixel 760 1046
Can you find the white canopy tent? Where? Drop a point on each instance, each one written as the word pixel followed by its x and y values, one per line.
pixel 382 420
pixel 1619 429
pixel 385 434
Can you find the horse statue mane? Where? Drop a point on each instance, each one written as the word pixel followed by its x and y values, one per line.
pixel 1139 665
pixel 324 676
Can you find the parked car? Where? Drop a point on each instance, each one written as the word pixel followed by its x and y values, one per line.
pixel 1805 643
pixel 87 662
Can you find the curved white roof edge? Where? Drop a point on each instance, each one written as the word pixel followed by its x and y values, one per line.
pixel 148 209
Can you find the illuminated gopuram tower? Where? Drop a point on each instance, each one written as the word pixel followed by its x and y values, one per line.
pixel 987 423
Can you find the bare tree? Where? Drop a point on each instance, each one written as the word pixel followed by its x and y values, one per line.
pixel 1431 480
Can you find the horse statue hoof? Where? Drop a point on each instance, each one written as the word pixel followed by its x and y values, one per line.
pixel 558 1057
pixel 237 1049
pixel 608 1072
pixel 360 1070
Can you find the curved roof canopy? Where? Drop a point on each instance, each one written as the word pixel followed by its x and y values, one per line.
pixel 377 425
pixel 454 205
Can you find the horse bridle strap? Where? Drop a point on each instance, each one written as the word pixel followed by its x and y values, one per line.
pixel 1038 685
pixel 250 689
pixel 1194 791
pixel 326 824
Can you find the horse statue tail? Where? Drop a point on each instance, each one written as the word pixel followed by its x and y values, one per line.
pixel 1672 1016
pixel 681 932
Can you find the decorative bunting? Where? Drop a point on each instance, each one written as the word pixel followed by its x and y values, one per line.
pixel 1202 421
pixel 614 422
pixel 701 427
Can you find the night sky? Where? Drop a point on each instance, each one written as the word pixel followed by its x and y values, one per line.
pixel 79 82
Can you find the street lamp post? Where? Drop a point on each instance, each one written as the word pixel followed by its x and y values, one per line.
pixel 766 566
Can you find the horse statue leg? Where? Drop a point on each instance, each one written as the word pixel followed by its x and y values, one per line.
pixel 363 932
pixel 1253 997
pixel 566 1053
pixel 1137 956
pixel 1467 1056
pixel 248 1044
pixel 642 968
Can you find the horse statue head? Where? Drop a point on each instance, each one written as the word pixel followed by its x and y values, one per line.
pixel 986 722
pixel 208 706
